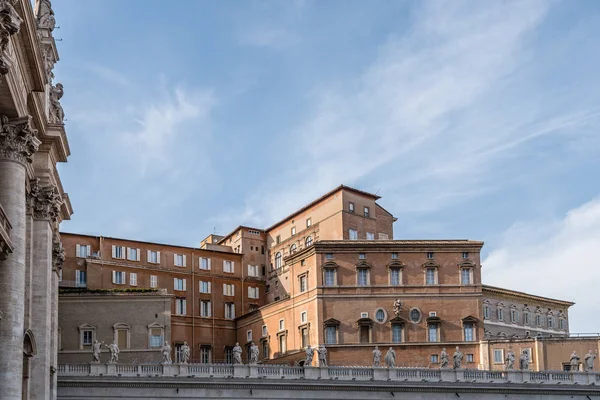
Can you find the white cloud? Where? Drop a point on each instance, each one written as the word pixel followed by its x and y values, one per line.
pixel 555 259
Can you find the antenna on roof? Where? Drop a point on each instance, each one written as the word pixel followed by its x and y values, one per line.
pixel 377 192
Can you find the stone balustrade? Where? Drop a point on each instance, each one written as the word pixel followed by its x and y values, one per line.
pixel 269 371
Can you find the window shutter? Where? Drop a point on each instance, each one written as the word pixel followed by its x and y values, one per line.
pixel 209 291
pixel 225 289
pixel 224 263
pixel 89 250
pixel 77 248
pixel 137 255
pixel 232 290
pixel 174 259
pixel 174 283
pixel 184 263
pixel 114 276
pixel 148 256
pixel 184 284
pixel 232 267
pixel 158 257
pixel 184 302
pixel 208 263
pixel 128 253
pixel 77 275
pixel 114 251
pixel 249 292
pixel 232 310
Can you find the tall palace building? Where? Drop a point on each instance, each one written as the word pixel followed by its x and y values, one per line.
pixel 330 273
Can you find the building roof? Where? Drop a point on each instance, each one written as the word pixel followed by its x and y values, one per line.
pixel 237 229
pixel 523 295
pixel 323 197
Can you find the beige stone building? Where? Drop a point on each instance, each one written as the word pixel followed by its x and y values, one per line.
pixel 32 199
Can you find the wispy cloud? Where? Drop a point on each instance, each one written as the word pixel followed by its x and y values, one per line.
pixel 553 258
pixel 109 75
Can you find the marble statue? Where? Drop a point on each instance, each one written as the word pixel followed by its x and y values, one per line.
pixel 588 361
pixel 10 23
pixel 114 352
pixel 376 357
pixel 443 359
pixel 509 361
pixel 524 360
pixel 44 14
pixel 253 353
pixel 96 350
pixel 166 353
pixel 237 354
pixel 322 356
pixel 185 353
pixel 309 355
pixel 457 356
pixel 397 307
pixel 574 361
pixel 57 115
pixel 390 358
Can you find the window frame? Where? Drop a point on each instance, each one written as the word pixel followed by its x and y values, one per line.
pixel 352 234
pixel 120 327
pixel 152 326
pixel 366 212
pixel 278 260
pixel 205 305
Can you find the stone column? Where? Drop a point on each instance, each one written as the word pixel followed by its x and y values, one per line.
pixel 17 145
pixel 44 201
pixel 58 257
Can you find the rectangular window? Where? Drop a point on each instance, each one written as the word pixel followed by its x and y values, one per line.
pixel 278 239
pixel 434 359
pixel 362 256
pixel 87 338
pixel 500 314
pixel 470 358
pixel 153 281
pixel 293 230
pixel 180 306
pixel 465 276
pixel 205 263
pixel 80 278
pixel 430 255
pixel 253 270
pixel 383 236
pixel 119 277
pixel 264 330
pixel 253 292
pixel 133 254
pixel 486 312
pixel 363 277
pixel 133 279
pixel 281 325
pixel 469 332
pixel 331 334
pixel 396 333
pixel 367 213
pixel 514 316
pixel 228 266
pixel 353 234
pixel 394 256
pixel 465 255
pixel 498 356
pixel 265 349
pixel 229 310
pixel 329 256
pixel 153 257
pixel 430 276
pixel 329 277
pixel 204 287
pixel 83 251
pixel 351 207
pixel 118 252
pixel 228 289
pixel 156 337
pixel 179 284
pixel 303 283
pixel 205 354
pixel 526 317
pixel 433 332
pixel 282 344
pixel 364 334
pixel 308 222
pixel 249 335
pixel 395 276
pixel 205 308
pixel 304 333
pixel 370 236
pixel 228 355
pixel 550 323
pixel 122 338
pixel 303 317
pixel 179 260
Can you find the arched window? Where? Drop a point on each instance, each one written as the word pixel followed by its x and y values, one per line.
pixel 278 260
pixel 293 248
pixel 308 241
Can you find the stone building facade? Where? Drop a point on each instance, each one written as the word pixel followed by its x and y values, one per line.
pixel 32 199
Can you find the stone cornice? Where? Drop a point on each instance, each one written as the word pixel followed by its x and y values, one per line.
pixel 18 139
pixel 397 245
pixel 523 296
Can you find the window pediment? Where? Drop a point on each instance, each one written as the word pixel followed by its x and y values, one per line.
pixel 363 264
pixel 365 322
pixel 433 320
pixel 121 326
pixel 156 325
pixel 469 318
pixel 86 327
pixel 331 322
pixel 397 321
pixel 466 264
pixel 431 264
pixel 329 264
pixel 395 264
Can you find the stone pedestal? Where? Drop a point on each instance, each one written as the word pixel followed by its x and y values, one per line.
pixel 111 369
pixel 448 375
pixel 240 371
pixel 514 376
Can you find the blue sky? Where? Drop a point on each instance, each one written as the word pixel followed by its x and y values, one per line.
pixel 471 119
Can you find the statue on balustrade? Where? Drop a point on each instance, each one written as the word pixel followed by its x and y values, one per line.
pixel 509 361
pixel 574 361
pixel 444 359
pixel 166 353
pixel 44 14
pixel 57 115
pixel 588 361
pixel 457 356
pixel 524 360
pixel 253 353
pixel 390 358
pixel 376 357
pixel 322 356
pixel 114 352
pixel 237 354
pixel 96 350
pixel 185 353
pixel 309 356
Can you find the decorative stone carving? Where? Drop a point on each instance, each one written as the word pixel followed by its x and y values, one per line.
pixel 390 358
pixel 185 353
pixel 457 356
pixel 114 353
pixel 44 14
pixel 18 139
pixel 237 354
pixel 166 353
pixel 96 350
pixel 44 201
pixel 322 356
pixel 376 357
pixel 574 361
pixel 443 359
pixel 58 254
pixel 524 360
pixel 509 361
pixel 49 62
pixel 588 361
pixel 397 307
pixel 57 115
pixel 309 356
pixel 10 22
pixel 253 353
